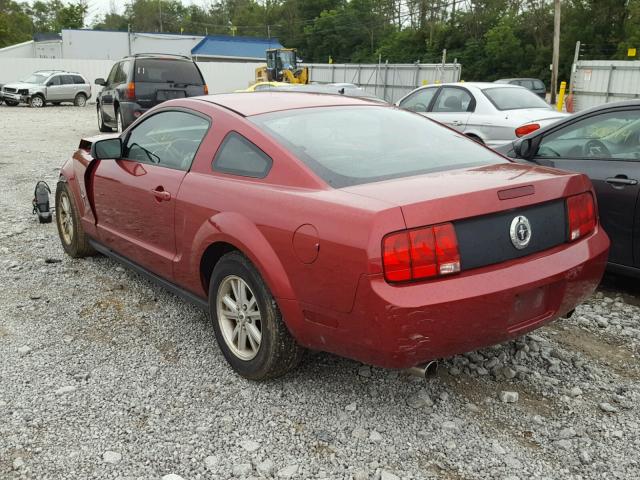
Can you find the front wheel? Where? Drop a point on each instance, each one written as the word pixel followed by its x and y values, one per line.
pixel 247 321
pixel 101 125
pixel 37 101
pixel 11 103
pixel 120 120
pixel 74 241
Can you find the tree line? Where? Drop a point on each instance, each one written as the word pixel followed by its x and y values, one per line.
pixel 490 38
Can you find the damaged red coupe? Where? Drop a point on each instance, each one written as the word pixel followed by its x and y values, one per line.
pixel 308 221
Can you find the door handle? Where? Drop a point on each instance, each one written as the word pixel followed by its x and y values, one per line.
pixel 621 180
pixel 161 194
pixel 457 123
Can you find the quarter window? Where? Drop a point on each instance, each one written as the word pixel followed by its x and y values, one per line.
pixel 420 100
pixel 614 135
pixel 169 139
pixel 77 79
pixel 239 156
pixel 453 100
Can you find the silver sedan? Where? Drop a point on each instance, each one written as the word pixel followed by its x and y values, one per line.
pixel 494 114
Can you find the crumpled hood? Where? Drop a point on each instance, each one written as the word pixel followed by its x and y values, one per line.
pixel 21 86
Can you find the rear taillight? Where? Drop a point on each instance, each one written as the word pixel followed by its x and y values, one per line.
pixel 420 253
pixel 581 212
pixel 131 90
pixel 527 129
pixel 206 89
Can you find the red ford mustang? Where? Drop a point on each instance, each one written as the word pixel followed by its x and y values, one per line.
pixel 336 224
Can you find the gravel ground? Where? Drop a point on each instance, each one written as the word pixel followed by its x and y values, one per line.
pixel 105 375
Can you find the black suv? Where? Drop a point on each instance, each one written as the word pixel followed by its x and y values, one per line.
pixel 139 82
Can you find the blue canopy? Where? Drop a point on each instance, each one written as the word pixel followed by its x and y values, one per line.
pixel 234 47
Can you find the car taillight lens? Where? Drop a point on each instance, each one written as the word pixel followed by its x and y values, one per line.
pixel 420 253
pixel 581 212
pixel 527 129
pixel 206 89
pixel 131 91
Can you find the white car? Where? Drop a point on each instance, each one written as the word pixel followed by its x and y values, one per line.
pixel 492 113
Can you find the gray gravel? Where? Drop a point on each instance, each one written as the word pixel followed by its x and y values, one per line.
pixel 105 375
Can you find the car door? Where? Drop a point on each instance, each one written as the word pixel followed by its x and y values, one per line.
pixel 67 87
pixel 134 197
pixel 452 106
pixel 54 89
pixel 107 94
pixel 606 147
pixel 420 100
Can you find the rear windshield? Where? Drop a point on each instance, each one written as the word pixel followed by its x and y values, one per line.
pixel 353 145
pixel 505 98
pixel 158 70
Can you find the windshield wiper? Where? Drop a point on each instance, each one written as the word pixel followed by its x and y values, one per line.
pixel 150 154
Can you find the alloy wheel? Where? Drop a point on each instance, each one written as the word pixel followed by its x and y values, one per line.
pixel 239 317
pixel 65 218
pixel 37 101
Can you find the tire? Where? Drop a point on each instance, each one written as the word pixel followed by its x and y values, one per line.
pixel 101 125
pixel 277 351
pixel 11 103
pixel 476 139
pixel 80 100
pixel 120 122
pixel 72 235
pixel 37 101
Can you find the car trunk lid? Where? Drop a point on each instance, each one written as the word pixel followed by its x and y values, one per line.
pixel 482 203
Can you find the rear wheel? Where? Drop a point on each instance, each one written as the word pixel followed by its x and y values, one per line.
pixel 475 138
pixel 37 101
pixel 120 121
pixel 74 241
pixel 101 125
pixel 80 100
pixel 247 321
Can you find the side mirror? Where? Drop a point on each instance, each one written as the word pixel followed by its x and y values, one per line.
pixel 107 149
pixel 100 81
pixel 523 148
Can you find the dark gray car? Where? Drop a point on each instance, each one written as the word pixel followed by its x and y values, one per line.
pixel 534 84
pixel 604 143
pixel 139 82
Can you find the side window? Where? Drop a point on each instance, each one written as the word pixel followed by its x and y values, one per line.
pixel 66 80
pixel 77 79
pixel 419 101
pixel 538 85
pixel 112 74
pixel 121 73
pixel 453 99
pixel 54 81
pixel 169 139
pixel 611 135
pixel 528 84
pixel 239 156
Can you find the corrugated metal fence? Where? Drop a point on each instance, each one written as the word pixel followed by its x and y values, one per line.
pixel 386 80
pixel 602 81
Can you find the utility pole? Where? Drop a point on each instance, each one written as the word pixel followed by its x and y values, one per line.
pixel 556 51
pixel 160 10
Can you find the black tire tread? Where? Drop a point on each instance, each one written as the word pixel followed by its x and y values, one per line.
pixel 286 354
pixel 80 246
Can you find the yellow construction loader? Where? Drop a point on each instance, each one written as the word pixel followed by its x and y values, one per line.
pixel 282 66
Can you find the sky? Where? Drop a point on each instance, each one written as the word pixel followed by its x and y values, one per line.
pixel 97 8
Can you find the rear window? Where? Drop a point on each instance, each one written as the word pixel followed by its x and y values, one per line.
pixel 353 145
pixel 157 70
pixel 78 80
pixel 505 98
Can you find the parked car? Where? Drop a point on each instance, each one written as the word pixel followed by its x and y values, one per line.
pixel 333 223
pixel 534 84
pixel 48 86
pixel 261 86
pixel 487 112
pixel 603 143
pixel 139 82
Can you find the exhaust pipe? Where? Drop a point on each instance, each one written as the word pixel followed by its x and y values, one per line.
pixel 426 371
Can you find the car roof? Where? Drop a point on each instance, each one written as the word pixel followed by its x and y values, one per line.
pixel 478 85
pixel 255 103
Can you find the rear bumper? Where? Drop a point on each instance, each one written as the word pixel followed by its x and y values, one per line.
pixel 131 111
pixel 402 326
